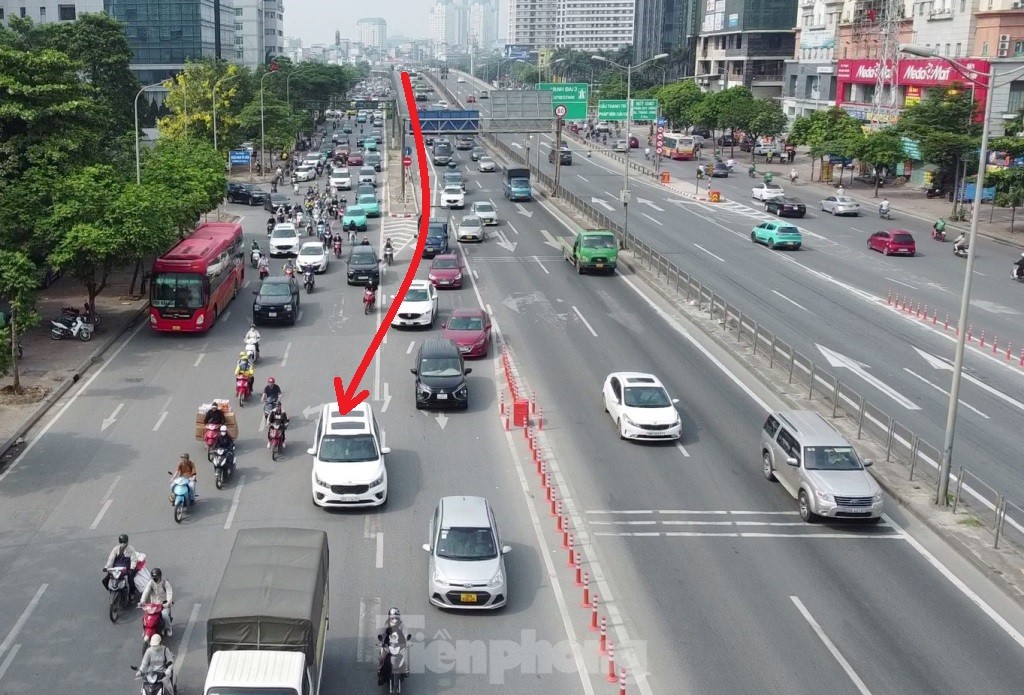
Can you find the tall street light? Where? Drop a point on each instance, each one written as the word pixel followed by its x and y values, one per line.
pixel 215 85
pixel 263 136
pixel 986 81
pixel 551 64
pixel 629 119
pixel 138 161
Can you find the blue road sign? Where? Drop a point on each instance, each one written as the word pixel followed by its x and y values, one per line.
pixel 240 156
pixel 407 152
pixel 662 121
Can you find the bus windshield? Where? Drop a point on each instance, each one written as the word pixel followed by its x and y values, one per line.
pixel 176 291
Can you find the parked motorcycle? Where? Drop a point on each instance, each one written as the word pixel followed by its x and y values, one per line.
pixel 935 192
pixel 308 278
pixel 180 496
pixel 223 465
pixel 119 589
pixel 159 681
pixel 71 328
pixel 70 312
pixel 276 437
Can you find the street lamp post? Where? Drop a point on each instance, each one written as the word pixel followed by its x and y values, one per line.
pixel 215 85
pixel 629 118
pixel 138 159
pixel 946 464
pixel 263 135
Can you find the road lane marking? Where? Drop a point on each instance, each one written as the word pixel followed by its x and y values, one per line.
pixel 20 624
pixel 782 296
pixel 183 648
pixel 585 322
pixel 682 450
pixel 380 550
pixel 537 258
pixel 287 351
pixel 35 440
pixel 160 421
pixel 235 500
pixel 942 390
pixel 913 287
pixel 107 501
pixel 583 177
pixel 687 511
pixel 709 253
pixel 408 350
pixel 112 419
pixel 199 359
pixel 226 314
pixel 861 687
pixel 7 662
pixel 651 219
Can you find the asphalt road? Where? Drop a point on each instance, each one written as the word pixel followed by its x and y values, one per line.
pixel 831 296
pixel 707 561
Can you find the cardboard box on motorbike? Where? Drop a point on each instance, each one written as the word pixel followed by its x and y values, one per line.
pixel 229 419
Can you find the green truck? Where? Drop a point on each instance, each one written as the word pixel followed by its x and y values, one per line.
pixel 591 250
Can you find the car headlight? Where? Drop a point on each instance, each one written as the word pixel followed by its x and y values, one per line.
pixel 440 578
pixel 432 277
pixel 256 307
pixel 877 499
pixel 824 496
pixel 458 276
pixel 481 342
pixel 423 388
pixel 316 479
pixel 379 480
pixel 287 307
pixel 629 421
pixel 497 580
pixel 461 390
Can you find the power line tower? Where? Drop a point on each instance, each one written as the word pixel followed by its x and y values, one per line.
pixel 883 19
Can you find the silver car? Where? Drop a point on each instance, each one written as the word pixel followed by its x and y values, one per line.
pixel 467 565
pixel 840 205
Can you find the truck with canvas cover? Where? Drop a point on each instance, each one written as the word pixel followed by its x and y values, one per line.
pixel 268 624
pixel 516 183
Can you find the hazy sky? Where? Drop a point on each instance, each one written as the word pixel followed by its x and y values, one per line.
pixel 314 21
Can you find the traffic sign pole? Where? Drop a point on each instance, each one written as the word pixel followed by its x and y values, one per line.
pixel 560 112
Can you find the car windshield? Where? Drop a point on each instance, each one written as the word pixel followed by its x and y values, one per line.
pixel 282 233
pixel 831 458
pixel 772 187
pixel 354 211
pixel 453 189
pixel 367 171
pixel 646 397
pixel 312 250
pixel 416 295
pixel 347 449
pixel 466 323
pixel 440 366
pixel 176 291
pixel 483 207
pixel 459 543
pixel 903 238
pixel 845 201
pixel 361 256
pixel 275 289
pixel 367 199
pixel 445 263
pixel 470 222
pixel 598 242
pixel 340 172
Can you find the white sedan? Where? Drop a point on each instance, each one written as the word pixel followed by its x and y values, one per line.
pixel 305 173
pixel 764 191
pixel 640 406
pixel 341 178
pixel 486 164
pixel 419 308
pixel 485 211
pixel 284 240
pixel 313 253
pixel 471 228
pixel 453 197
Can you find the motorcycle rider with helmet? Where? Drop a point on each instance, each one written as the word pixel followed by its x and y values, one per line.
pixel 214 416
pixel 883 208
pixel 224 441
pixel 253 336
pixel 157 656
pixel 121 552
pixel 277 415
pixel 960 244
pixel 187 469
pixel 389 251
pixel 1018 267
pixel 159 591
pixel 393 626
pixel 244 368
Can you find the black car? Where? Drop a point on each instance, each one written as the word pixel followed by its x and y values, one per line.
pixel 428 140
pixel 720 171
pixel 277 300
pixel 363 265
pixel 422 96
pixel 725 141
pixel 566 155
pixel 477 153
pixel 463 143
pixel 437 239
pixel 275 200
pixel 372 159
pixel 441 375
pixel 785 207
pixel 247 193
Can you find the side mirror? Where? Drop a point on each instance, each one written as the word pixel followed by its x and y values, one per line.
pixel 311 452
pixel 380 638
pixel 675 400
pixel 408 638
pixel 385 450
pixel 414 370
pixel 792 461
pixel 426 546
pixel 868 462
pixel 467 371
pixel 505 549
pixel 255 291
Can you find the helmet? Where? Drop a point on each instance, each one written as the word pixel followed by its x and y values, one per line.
pixel 184 457
pixel 223 429
pixel 271 380
pixel 123 539
pixel 157 574
pixel 242 354
pixel 155 640
pixel 394 613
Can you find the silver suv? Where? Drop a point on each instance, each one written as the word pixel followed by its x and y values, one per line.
pixel 819 467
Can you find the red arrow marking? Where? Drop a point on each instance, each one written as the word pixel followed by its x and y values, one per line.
pixel 351 397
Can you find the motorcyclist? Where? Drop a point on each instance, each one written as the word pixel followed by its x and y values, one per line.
pixel 263 266
pixel 389 251
pixel 370 294
pixel 289 268
pixel 940 226
pixel 393 626
pixel 157 656
pixel 883 207
pixel 840 190
pixel 271 392
pixel 159 591
pixel 277 415
pixel 187 469
pixel 1018 267
pixel 244 368
pixel 121 552
pixel 960 244
pixel 793 175
pixel 253 336
pixel 647 153
pixel 224 441
pixel 214 416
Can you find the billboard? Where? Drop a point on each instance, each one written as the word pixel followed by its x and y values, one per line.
pixel 517 52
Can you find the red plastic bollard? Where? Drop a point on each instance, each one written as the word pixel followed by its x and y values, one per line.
pixel 533 402
pixel 982 343
pixel 935 317
pixel 540 418
pixel 925 312
pixel 539 460
pixel 593 614
pixel 970 330
pixel 622 681
pixel 612 678
pixel 550 492
pixel 888 299
pixel 602 643
pixel 995 344
pixel 501 404
pixel 565 531
pixel 1022 357
pixel 586 590
pixel 508 424
pixel 544 476
pixel 579 568
pixel 897 300
pixel 571 542
pixel 945 326
pixel 1008 350
pixel 556 507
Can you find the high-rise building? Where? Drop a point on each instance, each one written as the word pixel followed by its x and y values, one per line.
pixel 595 25
pixel 666 26
pixel 372 32
pixel 48 11
pixel 259 31
pixel 483 24
pixel 448 27
pixel 533 24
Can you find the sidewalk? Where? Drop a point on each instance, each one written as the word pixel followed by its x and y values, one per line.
pixel 50 367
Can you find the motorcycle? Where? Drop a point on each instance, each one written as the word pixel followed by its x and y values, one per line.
pixel 389 255
pixel 309 229
pixel 264 272
pixel 70 313
pixel 289 271
pixel 298 218
pixel 393 669
pixel 934 192
pixel 254 257
pixel 308 278
pixel 119 589
pixel 271 223
pixel 223 465
pixel 159 681
pixel 181 496
pixel 275 435
pixel 883 213
pixel 938 234
pixel 369 299
pixel 320 227
pixel 242 389
pixel 337 247
pixel 72 328
pixel 961 251
pixel 152 622
pixel 1017 273
pixel 210 438
pixel 268 407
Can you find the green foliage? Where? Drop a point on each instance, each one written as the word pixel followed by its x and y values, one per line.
pixel 946 149
pixel 18 278
pixel 763 117
pixel 830 131
pixel 941 110
pixel 190 102
pixel 191 171
pixel 678 101
pixel 733 107
pixel 279 121
pixel 883 148
pixel 1012 145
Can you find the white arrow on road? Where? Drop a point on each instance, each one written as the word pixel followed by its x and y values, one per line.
pixel 442 419
pixel 516 144
pixel 550 240
pixel 112 419
pixel 310 411
pixel 840 361
pixel 512 303
pixel 386 397
pixel 602 202
pixel 939 363
pixel 650 203
pixel 504 243
pixel 523 211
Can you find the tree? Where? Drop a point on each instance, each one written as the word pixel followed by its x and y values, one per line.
pixel 678 101
pixel 944 124
pixel 828 132
pixel 193 171
pixel 18 276
pixel 883 149
pixel 1012 199
pixel 279 122
pixel 763 117
pixel 190 100
pixel 733 107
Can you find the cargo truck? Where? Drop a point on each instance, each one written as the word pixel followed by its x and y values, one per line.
pixel 591 250
pixel 516 183
pixel 268 624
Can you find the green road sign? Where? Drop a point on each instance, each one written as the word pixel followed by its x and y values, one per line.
pixel 611 110
pixel 645 109
pixel 572 95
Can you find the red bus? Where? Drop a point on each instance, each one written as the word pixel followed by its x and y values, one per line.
pixel 193 282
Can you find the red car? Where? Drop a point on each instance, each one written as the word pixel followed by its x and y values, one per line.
pixel 355 159
pixel 893 241
pixel 471 331
pixel 633 142
pixel 446 270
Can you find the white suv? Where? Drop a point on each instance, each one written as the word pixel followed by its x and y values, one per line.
pixel 341 178
pixel 453 197
pixel 348 459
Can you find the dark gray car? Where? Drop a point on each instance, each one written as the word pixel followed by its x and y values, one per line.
pixel 441 375
pixel 363 265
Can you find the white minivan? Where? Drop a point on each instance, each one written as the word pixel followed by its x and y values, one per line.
pixel 348 459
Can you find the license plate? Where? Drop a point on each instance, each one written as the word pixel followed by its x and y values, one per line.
pixel 442 396
pixel 599 265
pixel 467 598
pixel 271 314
